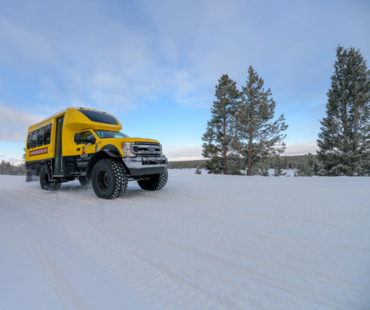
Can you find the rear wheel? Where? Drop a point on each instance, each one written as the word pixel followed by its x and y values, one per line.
pixel 109 179
pixel 155 183
pixel 45 183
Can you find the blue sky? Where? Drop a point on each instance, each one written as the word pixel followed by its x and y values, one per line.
pixel 154 64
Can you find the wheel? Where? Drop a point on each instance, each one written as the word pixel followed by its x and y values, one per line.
pixel 155 182
pixel 45 183
pixel 109 179
pixel 84 181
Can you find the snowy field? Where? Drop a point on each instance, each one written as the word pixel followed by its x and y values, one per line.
pixel 203 242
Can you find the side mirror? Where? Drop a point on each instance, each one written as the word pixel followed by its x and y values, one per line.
pixel 78 138
pixel 91 140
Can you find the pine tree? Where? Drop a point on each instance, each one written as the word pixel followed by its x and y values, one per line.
pixel 234 164
pixel 344 140
pixel 218 136
pixel 258 137
pixel 279 166
pixel 285 163
pixel 263 168
pixel 307 167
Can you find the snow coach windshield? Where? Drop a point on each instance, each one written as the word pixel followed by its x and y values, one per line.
pixel 110 134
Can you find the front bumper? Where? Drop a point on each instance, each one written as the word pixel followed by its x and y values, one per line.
pixel 145 165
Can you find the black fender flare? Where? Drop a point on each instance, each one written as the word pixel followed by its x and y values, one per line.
pixel 107 151
pixel 111 150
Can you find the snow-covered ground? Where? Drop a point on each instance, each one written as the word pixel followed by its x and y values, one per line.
pixel 203 242
pixel 288 172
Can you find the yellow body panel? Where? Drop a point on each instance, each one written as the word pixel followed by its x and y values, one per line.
pixel 75 122
pixel 44 151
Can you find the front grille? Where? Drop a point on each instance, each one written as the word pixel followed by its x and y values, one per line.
pixel 146 149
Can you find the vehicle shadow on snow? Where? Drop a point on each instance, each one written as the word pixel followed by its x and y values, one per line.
pixel 133 190
pixel 75 187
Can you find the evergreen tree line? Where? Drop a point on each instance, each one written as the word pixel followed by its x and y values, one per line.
pixel 304 165
pixel 242 134
pixel 186 164
pixel 10 169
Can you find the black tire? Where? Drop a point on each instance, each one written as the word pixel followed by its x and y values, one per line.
pixel 84 181
pixel 45 183
pixel 109 179
pixel 155 183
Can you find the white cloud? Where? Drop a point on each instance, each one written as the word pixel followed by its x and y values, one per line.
pixel 301 149
pixel 14 159
pixel 20 44
pixel 175 153
pixel 163 47
pixel 183 152
pixel 90 58
pixel 187 92
pixel 127 54
pixel 104 80
pixel 14 123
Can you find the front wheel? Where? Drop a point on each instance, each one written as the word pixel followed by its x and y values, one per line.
pixel 45 183
pixel 109 179
pixel 155 183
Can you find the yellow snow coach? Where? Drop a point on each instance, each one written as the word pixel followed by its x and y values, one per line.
pixel 85 144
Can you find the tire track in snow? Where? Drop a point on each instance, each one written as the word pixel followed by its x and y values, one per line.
pixel 147 274
pixel 62 289
pixel 323 277
pixel 123 262
pixel 331 300
pixel 235 272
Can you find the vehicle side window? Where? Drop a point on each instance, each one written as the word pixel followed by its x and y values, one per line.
pixel 29 140
pixel 47 134
pixel 40 137
pixel 34 138
pixel 86 137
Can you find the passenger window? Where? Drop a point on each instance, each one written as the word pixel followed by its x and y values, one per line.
pixel 47 134
pixel 34 138
pixel 29 140
pixel 40 137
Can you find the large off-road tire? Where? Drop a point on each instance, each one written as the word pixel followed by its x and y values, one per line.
pixel 109 178
pixel 155 182
pixel 45 183
pixel 84 181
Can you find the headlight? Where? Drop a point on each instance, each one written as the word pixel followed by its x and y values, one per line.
pixel 126 148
